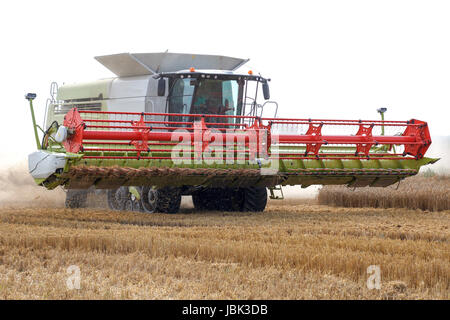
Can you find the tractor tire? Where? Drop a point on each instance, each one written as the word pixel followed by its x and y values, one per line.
pixel 237 200
pixel 255 199
pixel 117 198
pixel 218 199
pixel 205 199
pixel 149 199
pixel 76 199
pixel 230 200
pixel 133 204
pixel 169 200
pixel 122 200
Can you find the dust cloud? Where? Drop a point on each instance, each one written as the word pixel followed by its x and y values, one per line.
pixel 18 190
pixel 440 148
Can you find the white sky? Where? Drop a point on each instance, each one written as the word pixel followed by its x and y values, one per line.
pixel 326 59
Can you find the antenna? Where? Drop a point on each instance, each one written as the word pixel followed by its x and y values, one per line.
pixel 381 111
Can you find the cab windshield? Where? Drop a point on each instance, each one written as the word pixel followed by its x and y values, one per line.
pixel 205 96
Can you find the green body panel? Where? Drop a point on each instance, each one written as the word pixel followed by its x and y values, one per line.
pixel 33 119
pixel 79 94
pixel 304 172
pixel 93 89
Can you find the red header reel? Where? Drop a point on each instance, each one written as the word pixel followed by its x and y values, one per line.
pixel 143 131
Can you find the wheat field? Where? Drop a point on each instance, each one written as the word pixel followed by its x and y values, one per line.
pixel 420 192
pixel 293 250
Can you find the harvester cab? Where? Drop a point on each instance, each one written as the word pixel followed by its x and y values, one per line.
pixel 212 92
pixel 176 124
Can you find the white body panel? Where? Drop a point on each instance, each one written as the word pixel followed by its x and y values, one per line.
pixel 135 64
pixel 124 94
pixel 42 164
pixel 128 94
pixel 135 94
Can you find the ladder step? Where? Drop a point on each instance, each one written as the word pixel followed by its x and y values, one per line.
pixel 273 196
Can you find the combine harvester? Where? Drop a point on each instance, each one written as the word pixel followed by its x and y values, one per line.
pixel 180 124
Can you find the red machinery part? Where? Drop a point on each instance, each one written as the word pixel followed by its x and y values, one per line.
pixel 141 134
pixel 75 128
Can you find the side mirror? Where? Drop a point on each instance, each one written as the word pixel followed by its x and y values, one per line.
pixel 266 91
pixel 161 87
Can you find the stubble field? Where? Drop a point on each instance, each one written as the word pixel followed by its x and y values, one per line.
pixel 296 249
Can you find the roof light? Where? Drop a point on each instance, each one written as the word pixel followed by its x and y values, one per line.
pixel 192 69
pixel 250 72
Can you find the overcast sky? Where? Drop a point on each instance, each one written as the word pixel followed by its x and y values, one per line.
pixel 326 59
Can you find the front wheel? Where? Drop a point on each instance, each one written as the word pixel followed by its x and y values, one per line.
pixel 166 200
pixel 149 199
pixel 230 199
pixel 255 199
pixel 206 199
pixel 169 199
pixel 117 198
pixel 123 199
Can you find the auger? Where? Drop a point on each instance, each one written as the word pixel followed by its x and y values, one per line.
pixel 180 124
